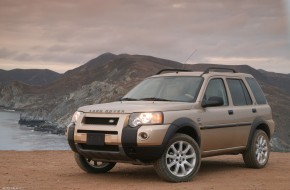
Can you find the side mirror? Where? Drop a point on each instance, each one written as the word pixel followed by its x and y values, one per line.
pixel 212 102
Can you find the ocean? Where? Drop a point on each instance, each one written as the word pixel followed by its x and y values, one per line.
pixel 16 137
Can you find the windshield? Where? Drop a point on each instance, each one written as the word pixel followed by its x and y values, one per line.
pixel 179 89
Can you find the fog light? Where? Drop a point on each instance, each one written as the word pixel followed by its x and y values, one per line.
pixel 143 136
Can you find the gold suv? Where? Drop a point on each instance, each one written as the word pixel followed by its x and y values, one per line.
pixel 172 120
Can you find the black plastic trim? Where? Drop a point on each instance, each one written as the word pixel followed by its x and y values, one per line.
pixel 102 155
pixel 219 68
pixel 257 122
pixel 180 124
pixel 103 132
pixel 70 136
pixel 173 70
pixel 101 121
pixel 129 136
pixel 225 126
pixel 144 154
pixel 110 148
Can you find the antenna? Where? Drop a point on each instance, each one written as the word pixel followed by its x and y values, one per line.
pixel 190 56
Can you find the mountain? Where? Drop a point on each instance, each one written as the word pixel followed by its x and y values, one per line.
pixel 28 76
pixel 109 76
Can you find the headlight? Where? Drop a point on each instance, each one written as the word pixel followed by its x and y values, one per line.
pixel 137 119
pixel 75 117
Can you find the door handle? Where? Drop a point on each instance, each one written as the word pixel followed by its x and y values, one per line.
pixel 254 110
pixel 231 112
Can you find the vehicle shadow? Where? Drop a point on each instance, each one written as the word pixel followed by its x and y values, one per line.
pixel 213 166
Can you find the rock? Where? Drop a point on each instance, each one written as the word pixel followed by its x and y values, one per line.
pixel 278 145
pixel 50 128
pixel 30 122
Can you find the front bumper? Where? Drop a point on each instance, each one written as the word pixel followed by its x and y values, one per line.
pixel 70 136
pixel 121 144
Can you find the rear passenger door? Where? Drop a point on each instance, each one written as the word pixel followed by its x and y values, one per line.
pixel 242 109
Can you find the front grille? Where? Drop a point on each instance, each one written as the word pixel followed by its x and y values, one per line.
pixel 112 148
pixel 101 120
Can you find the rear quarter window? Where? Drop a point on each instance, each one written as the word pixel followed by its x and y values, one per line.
pixel 257 91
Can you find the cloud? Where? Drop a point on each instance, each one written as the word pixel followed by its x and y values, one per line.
pixel 72 32
pixel 56 66
pixel 6 53
pixel 239 60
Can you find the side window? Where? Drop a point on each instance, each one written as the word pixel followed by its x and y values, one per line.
pixel 216 88
pixel 257 91
pixel 239 92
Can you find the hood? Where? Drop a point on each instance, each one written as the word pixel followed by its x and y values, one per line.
pixel 136 106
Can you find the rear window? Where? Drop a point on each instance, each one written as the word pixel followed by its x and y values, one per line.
pixel 257 91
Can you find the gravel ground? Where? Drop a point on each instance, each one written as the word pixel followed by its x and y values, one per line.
pixel 21 170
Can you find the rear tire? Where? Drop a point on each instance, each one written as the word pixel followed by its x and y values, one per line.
pixel 257 154
pixel 180 160
pixel 91 166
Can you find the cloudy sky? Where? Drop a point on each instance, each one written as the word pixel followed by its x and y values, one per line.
pixel 63 34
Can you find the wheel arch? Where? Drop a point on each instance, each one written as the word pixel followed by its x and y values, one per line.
pixel 264 127
pixel 258 124
pixel 184 126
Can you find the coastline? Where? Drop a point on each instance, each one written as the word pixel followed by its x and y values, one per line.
pixel 8 109
pixel 40 125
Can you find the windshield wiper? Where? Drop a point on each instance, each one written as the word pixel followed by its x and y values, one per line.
pixel 129 99
pixel 154 99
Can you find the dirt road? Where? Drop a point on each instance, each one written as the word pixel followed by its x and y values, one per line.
pixel 57 170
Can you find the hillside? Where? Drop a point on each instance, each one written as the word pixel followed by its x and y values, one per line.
pixel 109 76
pixel 28 76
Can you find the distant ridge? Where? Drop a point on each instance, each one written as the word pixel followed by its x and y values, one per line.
pixel 28 76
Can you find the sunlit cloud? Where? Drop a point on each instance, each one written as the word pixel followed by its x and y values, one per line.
pixel 178 5
pixel 274 64
pixel 55 66
pixel 237 60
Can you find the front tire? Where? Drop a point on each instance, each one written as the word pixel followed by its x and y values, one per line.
pixel 91 166
pixel 257 154
pixel 180 160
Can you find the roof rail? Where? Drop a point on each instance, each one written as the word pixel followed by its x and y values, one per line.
pixel 222 69
pixel 173 70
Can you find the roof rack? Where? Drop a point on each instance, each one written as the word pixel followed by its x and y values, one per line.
pixel 222 69
pixel 173 70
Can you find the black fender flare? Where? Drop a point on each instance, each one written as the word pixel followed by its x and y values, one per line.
pixel 180 124
pixel 256 123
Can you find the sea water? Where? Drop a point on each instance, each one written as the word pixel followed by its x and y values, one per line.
pixel 16 137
